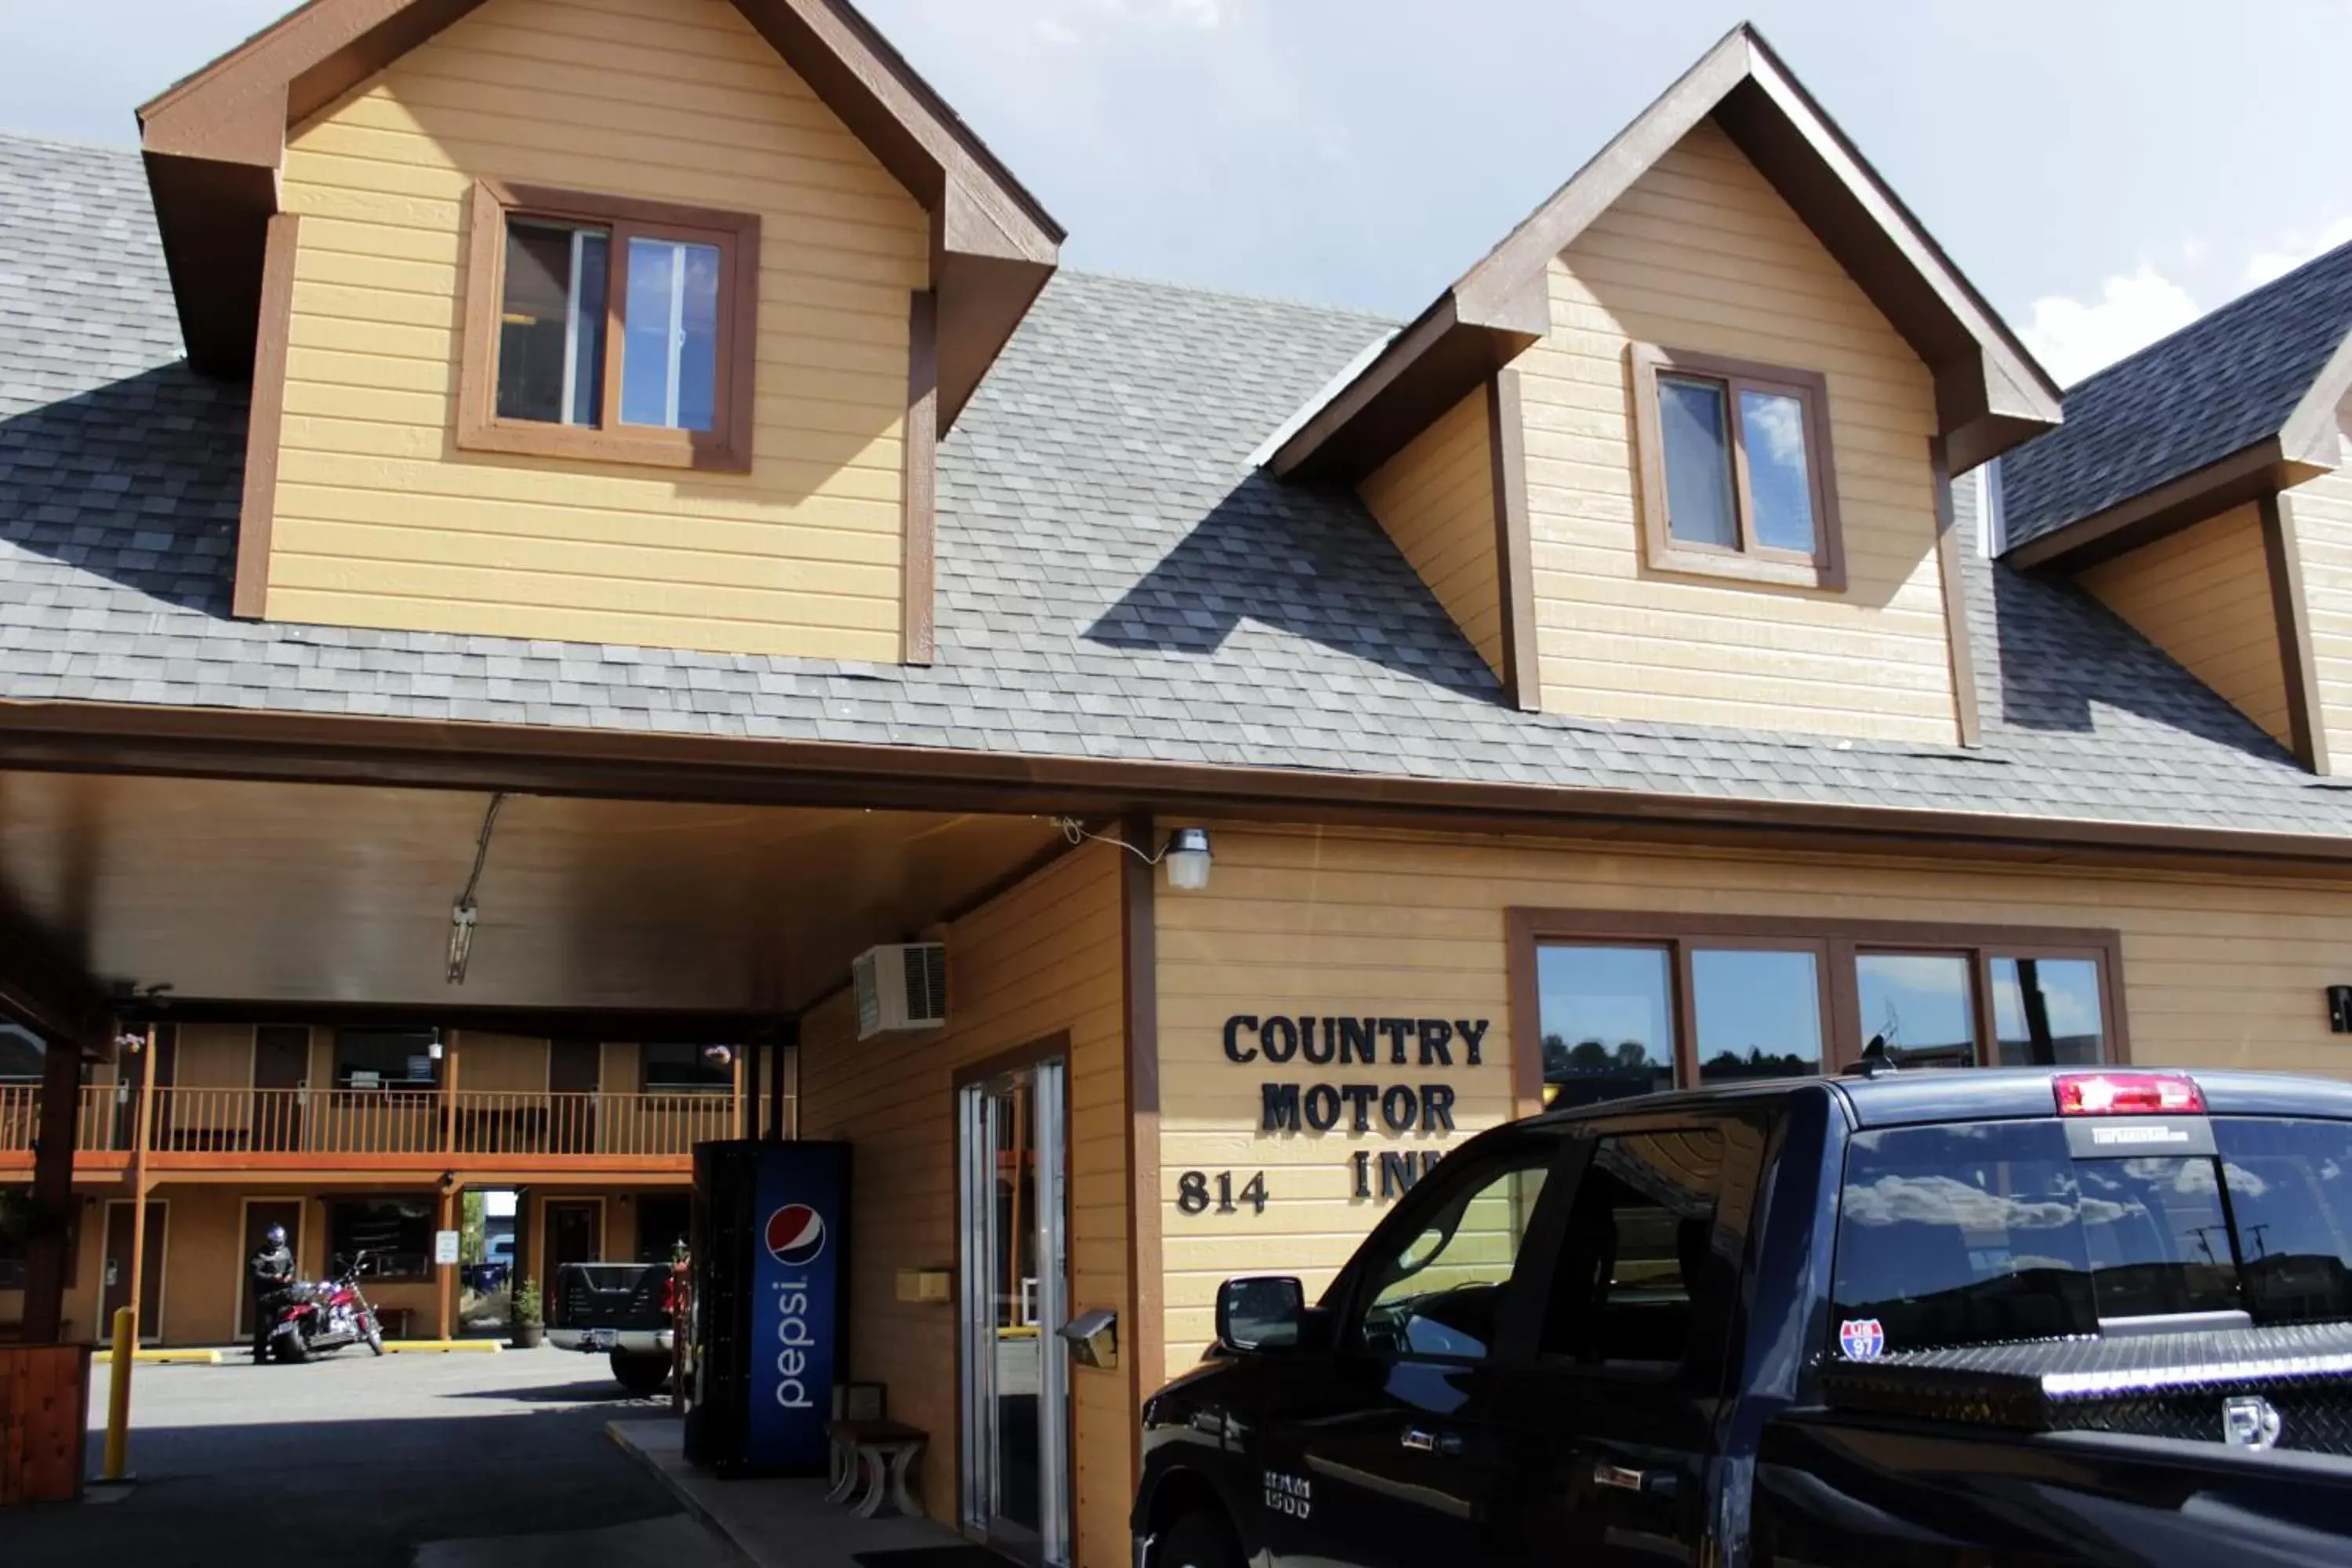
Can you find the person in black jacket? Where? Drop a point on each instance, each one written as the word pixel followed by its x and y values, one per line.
pixel 272 1271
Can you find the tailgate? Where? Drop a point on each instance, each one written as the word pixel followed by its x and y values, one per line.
pixel 609 1296
pixel 2214 1385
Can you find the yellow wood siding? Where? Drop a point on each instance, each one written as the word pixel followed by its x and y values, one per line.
pixel 2218 972
pixel 2203 595
pixel 2322 537
pixel 1041 958
pixel 381 520
pixel 1702 255
pixel 489 1063
pixel 1437 499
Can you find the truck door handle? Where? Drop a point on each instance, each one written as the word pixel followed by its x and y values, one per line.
pixel 1655 1483
pixel 1426 1442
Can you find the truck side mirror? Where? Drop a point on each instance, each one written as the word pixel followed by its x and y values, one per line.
pixel 1260 1312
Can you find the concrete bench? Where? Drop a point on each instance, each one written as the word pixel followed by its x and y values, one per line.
pixel 879 1454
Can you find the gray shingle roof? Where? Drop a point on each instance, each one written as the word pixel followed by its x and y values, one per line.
pixel 2220 383
pixel 1114 582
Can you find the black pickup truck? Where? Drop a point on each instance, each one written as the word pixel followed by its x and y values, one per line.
pixel 1902 1318
pixel 622 1310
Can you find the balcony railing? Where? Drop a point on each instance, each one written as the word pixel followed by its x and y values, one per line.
pixel 374 1121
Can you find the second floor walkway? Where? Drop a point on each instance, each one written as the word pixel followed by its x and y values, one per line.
pixel 311 1129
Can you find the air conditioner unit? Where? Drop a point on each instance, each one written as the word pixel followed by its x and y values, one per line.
pixel 902 987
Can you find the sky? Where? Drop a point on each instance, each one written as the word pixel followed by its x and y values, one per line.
pixel 2103 172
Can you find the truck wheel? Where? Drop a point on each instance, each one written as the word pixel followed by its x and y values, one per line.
pixel 1196 1540
pixel 642 1375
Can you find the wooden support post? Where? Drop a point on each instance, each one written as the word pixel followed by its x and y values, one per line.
pixel 776 1088
pixel 142 1134
pixel 47 1264
pixel 742 1086
pixel 449 1095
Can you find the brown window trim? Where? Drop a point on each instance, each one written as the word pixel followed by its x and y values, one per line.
pixel 1836 945
pixel 1661 552
pixel 726 449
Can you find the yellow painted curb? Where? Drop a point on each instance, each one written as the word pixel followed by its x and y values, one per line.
pixel 191 1358
pixel 492 1346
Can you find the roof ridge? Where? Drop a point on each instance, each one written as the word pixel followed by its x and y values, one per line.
pixel 2207 318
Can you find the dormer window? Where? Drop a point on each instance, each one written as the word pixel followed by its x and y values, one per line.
pixel 609 330
pixel 1735 475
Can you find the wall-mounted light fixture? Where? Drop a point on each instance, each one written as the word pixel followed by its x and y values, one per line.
pixel 432 1046
pixel 1186 852
pixel 1188 858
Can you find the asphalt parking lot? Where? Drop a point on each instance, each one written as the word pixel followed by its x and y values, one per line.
pixel 407 1461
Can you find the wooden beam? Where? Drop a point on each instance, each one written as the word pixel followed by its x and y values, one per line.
pixel 1144 1336
pixel 48 1265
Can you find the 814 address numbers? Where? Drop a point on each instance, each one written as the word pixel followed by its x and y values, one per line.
pixel 1194 1194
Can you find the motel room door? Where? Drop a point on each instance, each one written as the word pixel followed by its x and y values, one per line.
pixel 1015 1392
pixel 117 1269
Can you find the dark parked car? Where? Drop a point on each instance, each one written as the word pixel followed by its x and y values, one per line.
pixel 1901 1319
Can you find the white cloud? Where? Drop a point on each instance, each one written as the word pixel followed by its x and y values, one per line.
pixel 2294 249
pixel 2073 338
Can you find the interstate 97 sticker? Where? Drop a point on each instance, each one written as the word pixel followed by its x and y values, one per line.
pixel 1862 1339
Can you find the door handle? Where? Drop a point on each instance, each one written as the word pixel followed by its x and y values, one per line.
pixel 1654 1483
pixel 1422 1441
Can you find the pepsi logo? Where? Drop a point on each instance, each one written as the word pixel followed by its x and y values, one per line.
pixel 795 1234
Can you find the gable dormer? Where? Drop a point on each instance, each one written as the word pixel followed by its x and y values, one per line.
pixel 633 321
pixel 1723 377
pixel 2198 489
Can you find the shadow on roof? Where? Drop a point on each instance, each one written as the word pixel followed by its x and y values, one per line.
pixel 137 480
pixel 2061 655
pixel 1306 563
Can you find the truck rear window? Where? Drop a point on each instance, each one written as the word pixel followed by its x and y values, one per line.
pixel 1980 1232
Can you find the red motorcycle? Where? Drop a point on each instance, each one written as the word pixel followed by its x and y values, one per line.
pixel 310 1319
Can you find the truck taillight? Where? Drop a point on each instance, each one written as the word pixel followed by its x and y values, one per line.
pixel 2129 1094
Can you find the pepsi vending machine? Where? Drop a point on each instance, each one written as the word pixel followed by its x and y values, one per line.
pixel 770 1306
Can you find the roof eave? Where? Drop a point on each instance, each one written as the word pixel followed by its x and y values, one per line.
pixel 1990 393
pixel 2262 468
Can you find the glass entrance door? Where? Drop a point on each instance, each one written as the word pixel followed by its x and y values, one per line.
pixel 1015 1392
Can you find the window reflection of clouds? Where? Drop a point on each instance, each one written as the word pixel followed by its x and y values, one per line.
pixel 1946 1200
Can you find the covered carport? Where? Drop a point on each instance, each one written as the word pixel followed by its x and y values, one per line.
pixel 134 894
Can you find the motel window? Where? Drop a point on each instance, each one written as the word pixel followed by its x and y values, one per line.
pixel 397 1234
pixel 679 1067
pixel 1627 1004
pixel 1736 477
pixel 605 328
pixel 385 1059
pixel 20 1056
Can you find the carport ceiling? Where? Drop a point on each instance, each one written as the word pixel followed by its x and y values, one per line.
pixel 330 893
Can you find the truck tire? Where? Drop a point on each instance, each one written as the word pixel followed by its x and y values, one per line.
pixel 641 1374
pixel 1196 1540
